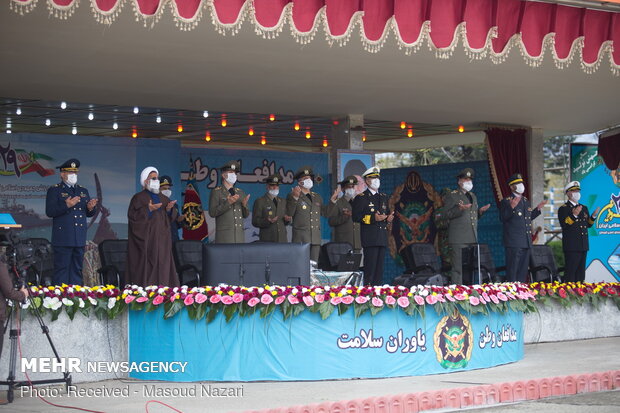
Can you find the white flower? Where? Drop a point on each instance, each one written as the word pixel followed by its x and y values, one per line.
pixel 423 291
pixel 261 290
pixel 92 300
pixel 26 305
pixel 67 302
pixel 111 302
pixel 160 291
pixel 52 303
pixel 57 291
pixel 80 302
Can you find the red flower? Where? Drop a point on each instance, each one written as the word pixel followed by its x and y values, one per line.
pixel 562 292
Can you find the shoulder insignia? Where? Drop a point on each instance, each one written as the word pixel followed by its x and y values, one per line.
pixel 360 194
pixel 454 191
pixel 56 186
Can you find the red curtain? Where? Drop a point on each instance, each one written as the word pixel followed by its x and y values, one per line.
pixel 609 150
pixel 507 156
pixel 488 27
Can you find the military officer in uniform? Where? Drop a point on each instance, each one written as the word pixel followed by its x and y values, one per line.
pixel 575 221
pixel 370 209
pixel 69 204
pixel 229 206
pixel 165 182
pixel 339 213
pixel 268 212
pixel 304 208
pixel 462 213
pixel 516 215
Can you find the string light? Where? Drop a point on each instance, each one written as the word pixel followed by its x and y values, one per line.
pixel 179 128
pixel 224 121
pixel 364 137
pixel 263 141
pixel 9 131
pixel 63 105
pixel 91 116
pixel 158 119
pixel 336 123
pixel 251 131
pixel 134 133
pixel 296 127
pixel 74 130
pixel 272 117
pixel 325 143
pixel 48 122
pixel 461 128
pixel 403 125
pixel 18 111
pixel 136 110
pixel 308 135
pixel 208 136
pixel 410 133
pixel 115 126
pixel 205 114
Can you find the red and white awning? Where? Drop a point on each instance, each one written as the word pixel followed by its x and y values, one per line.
pixel 486 28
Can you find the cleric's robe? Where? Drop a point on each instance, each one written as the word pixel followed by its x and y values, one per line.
pixel 149 249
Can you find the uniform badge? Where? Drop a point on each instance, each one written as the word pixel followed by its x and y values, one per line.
pixel 519 213
pixel 270 213
pixel 372 210
pixel 304 206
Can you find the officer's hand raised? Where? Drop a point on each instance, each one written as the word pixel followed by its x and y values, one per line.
pixel 334 197
pixel 484 208
pixel 91 204
pixel 380 217
pixel 595 214
pixel 154 207
pixel 542 204
pixel 296 191
pixel 170 205
pixel 577 210
pixel 72 201
pixel 232 198
pixel 390 217
pixel 245 200
pixel 463 206
pixel 514 201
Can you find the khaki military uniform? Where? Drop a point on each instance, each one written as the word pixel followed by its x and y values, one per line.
pixel 462 227
pixel 306 213
pixel 344 229
pixel 265 208
pixel 228 218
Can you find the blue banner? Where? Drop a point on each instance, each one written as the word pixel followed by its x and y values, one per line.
pixel 305 347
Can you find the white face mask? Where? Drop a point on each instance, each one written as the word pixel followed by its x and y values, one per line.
pixel 375 183
pixel 307 183
pixel 575 196
pixel 349 192
pixel 167 192
pixel 274 192
pixel 520 188
pixel 153 186
pixel 467 185
pixel 231 178
pixel 72 179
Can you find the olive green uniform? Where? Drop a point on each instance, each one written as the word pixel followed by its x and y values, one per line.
pixel 267 207
pixel 228 217
pixel 306 213
pixel 344 229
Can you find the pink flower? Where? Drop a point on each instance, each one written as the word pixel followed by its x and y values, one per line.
pixel 482 300
pixel 336 300
pixel 502 296
pixel 431 299
pixel 510 296
pixel 158 300
pixel 142 299
pixel 253 301
pixel 419 300
pixel 486 296
pixel 237 298
pixel 389 300
pixel 280 300
pixel 440 298
pixel 215 299
pixel 319 298
pixel 347 299
pixel 459 296
pixel 189 300
pixel 266 299
pixel 403 302
pixel 201 298
pixel 227 300
pixel 129 299
pixel 360 299
pixel 377 302
pixel 308 301
pixel 292 299
pixel 494 299
pixel 474 300
pixel 450 298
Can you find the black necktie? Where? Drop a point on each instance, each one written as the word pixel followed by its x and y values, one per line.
pixel 309 197
pixel 275 202
pixel 231 191
pixel 471 200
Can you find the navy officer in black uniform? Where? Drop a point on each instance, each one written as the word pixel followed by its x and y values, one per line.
pixel 575 221
pixel 516 215
pixel 370 209
pixel 69 204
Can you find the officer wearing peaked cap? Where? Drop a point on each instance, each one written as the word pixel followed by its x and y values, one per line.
pixel 575 220
pixel 370 209
pixel 165 184
pixel 229 206
pixel 304 208
pixel 516 215
pixel 462 213
pixel 339 212
pixel 69 204
pixel 268 212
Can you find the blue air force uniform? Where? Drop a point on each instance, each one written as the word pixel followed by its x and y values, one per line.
pixel 69 227
pixel 517 225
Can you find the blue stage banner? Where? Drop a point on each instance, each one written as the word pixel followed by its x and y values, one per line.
pixel 256 165
pixel 305 347
pixel 600 187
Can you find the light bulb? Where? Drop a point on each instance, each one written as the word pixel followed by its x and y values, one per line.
pixel 115 126
pixel 91 116
pixel 136 110
pixel 208 136
pixel 224 122
pixel 48 122
pixel 158 119
pixel 403 125
pixel 180 128
pixel 325 143
pixel 205 114
pixel 272 117
pixel 9 131
pixel 263 141
pixel 63 105
pixel 134 133
pixel 296 125
pixel 308 135
pixel 74 130
pixel 251 131
pixel 18 111
pixel 410 133
pixel 461 128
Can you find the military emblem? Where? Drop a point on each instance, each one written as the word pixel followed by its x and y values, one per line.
pixel 73 164
pixel 194 217
pixel 453 341
pixel 233 167
pixel 304 206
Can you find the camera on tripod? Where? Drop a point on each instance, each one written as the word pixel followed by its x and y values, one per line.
pixel 23 257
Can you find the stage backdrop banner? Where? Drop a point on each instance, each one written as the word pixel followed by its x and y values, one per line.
pixel 600 187
pixel 256 166
pixel 305 347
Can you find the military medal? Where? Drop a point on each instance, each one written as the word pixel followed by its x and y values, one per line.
pixel 519 213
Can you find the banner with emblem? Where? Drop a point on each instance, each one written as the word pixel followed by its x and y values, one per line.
pixel 600 187
pixel 195 225
pixel 386 344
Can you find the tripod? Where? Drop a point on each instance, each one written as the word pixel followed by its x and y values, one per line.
pixel 14 334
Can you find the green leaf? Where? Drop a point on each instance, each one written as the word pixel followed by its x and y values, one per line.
pixel 374 310
pixel 230 311
pixel 201 310
pixel 56 313
pixel 342 308
pixel 70 310
pixel 191 312
pixel 150 306
pixel 173 308
pixel 212 313
pixel 325 309
pixel 359 309
pixel 266 310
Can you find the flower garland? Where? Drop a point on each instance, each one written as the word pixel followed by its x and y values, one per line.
pixel 207 302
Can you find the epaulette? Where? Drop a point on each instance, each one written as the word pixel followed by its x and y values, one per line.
pixel 360 194
pixel 56 186
pixel 218 187
pixel 507 198
pixel 455 191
